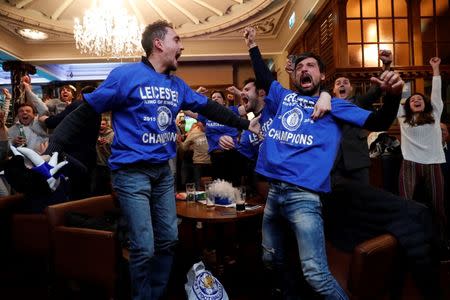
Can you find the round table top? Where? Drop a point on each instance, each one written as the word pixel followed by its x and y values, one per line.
pixel 219 214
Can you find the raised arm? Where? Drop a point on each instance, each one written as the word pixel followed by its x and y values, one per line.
pixel 219 113
pixel 436 87
pixel 262 72
pixel 374 93
pixel 6 104
pixel 40 106
pixel 391 83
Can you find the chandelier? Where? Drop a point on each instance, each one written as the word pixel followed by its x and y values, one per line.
pixel 108 31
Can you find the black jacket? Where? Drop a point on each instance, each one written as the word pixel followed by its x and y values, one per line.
pixel 353 152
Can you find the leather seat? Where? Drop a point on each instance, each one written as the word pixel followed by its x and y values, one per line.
pixel 88 255
pixel 28 232
pixel 368 272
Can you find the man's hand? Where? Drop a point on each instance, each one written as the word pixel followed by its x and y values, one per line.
pixel 323 105
pixel 290 67
pixel 42 119
pixel 26 82
pixel 435 62
pixel 389 82
pixel 226 142
pixel 255 127
pixel 234 90
pixel 101 141
pixel 250 36
pixel 6 93
pixel 19 141
pixel 386 57
pixel 202 90
pixel 26 79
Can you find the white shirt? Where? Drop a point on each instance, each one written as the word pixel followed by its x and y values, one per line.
pixel 423 144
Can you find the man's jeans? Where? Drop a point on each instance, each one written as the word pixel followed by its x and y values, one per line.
pixel 147 200
pixel 301 210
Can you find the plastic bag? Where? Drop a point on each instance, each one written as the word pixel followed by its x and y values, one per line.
pixel 202 285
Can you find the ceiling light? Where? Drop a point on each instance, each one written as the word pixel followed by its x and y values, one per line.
pixel 32 34
pixel 107 30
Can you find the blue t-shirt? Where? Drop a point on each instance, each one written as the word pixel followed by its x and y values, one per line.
pixel 249 142
pixel 299 150
pixel 214 131
pixel 144 105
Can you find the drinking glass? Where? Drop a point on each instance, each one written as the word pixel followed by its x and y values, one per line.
pixel 243 192
pixel 240 201
pixel 190 192
pixel 210 203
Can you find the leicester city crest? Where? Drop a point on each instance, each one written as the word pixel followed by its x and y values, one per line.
pixel 164 117
pixel 207 287
pixel 292 119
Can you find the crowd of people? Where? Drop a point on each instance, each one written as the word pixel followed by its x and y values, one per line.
pixel 308 145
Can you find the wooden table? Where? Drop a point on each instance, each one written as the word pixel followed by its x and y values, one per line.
pixel 218 217
pixel 198 212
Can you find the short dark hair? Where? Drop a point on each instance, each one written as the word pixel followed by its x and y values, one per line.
pixel 220 92
pixel 308 54
pixel 155 30
pixel 255 82
pixel 27 104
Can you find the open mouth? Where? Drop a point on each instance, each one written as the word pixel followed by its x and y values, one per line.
pixel 306 81
pixel 177 56
pixel 342 91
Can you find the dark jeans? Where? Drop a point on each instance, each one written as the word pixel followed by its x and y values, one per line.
pixel 147 200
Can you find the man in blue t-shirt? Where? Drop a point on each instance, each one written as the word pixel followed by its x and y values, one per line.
pixel 144 99
pixel 297 156
pixel 247 145
pixel 253 101
pixel 223 161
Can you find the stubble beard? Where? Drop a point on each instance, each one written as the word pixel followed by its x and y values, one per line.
pixel 309 92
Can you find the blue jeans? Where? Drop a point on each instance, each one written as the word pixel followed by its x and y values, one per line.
pixel 302 211
pixel 147 200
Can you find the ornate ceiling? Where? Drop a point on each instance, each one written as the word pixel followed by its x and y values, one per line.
pixel 196 19
pixel 210 29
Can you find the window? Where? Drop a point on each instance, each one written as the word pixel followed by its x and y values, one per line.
pixel 435 23
pixel 373 25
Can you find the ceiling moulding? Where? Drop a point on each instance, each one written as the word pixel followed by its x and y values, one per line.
pixel 28 17
pixel 234 15
pixel 267 24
